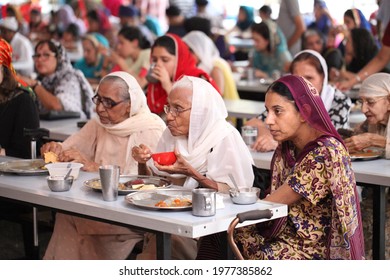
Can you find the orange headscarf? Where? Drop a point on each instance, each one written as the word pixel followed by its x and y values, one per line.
pixel 6 55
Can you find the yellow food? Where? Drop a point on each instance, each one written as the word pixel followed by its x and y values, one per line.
pixel 136 187
pixel 50 157
pixel 148 187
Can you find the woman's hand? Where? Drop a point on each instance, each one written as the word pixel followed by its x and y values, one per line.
pixel 260 74
pixel 141 153
pixel 161 73
pixel 54 147
pixel 358 142
pixel 264 142
pixel 73 155
pixel 181 166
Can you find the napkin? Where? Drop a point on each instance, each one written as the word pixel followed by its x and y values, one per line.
pixel 219 201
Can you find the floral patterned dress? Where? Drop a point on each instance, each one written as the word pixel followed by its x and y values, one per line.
pixel 319 225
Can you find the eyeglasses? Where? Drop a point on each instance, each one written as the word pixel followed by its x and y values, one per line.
pixel 370 102
pixel 106 102
pixel 174 111
pixel 45 56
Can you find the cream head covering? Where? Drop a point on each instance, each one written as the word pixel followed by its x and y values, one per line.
pixel 204 48
pixel 378 85
pixel 140 117
pixel 207 129
pixel 327 92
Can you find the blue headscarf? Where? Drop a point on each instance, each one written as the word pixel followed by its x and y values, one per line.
pixel 249 20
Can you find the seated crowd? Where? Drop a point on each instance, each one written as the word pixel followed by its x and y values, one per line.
pixel 143 91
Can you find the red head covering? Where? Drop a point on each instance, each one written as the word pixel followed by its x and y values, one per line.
pixel 185 65
pixel 6 55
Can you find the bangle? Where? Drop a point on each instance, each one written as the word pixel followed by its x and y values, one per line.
pixel 358 78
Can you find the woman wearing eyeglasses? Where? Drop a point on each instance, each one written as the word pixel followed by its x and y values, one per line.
pixel 59 86
pixel 124 120
pixel 375 101
pixel 207 147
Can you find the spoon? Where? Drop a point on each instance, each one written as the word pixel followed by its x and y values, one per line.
pixel 68 174
pixel 234 182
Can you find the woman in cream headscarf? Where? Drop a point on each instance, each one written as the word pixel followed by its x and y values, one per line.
pixel 375 101
pixel 209 60
pixel 124 120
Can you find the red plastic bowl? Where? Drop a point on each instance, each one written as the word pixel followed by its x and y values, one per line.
pixel 167 158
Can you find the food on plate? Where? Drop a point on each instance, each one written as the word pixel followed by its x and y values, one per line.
pixel 50 157
pixel 137 184
pixel 174 202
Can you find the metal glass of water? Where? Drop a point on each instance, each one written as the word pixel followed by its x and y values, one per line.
pixel 249 134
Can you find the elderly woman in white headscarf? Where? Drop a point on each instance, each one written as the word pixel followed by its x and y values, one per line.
pixel 209 60
pixel 124 120
pixel 207 148
pixel 374 132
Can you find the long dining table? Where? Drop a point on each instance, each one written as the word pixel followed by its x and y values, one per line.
pixel 84 201
pixel 370 173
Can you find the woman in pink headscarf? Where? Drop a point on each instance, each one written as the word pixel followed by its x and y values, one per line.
pixel 312 173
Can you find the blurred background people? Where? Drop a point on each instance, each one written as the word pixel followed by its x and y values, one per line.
pixel 374 132
pixel 270 54
pixel 172 59
pixel 129 16
pixel 132 54
pixel 21 46
pixel 312 66
pixel 95 47
pixel 314 40
pixel 59 86
pixel 208 59
pixel 175 19
pixel 291 23
pixel 71 40
pixel 360 48
pixel 18 109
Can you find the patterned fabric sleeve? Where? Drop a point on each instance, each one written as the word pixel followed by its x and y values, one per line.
pixel 68 91
pixel 339 113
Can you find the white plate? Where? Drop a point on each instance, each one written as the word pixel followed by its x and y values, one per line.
pixel 159 182
pixel 149 199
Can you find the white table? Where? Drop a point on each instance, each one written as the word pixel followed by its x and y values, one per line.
pixel 374 174
pixel 84 201
pixel 244 109
pixel 61 129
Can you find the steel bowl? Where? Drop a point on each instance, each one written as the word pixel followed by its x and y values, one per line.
pixel 59 183
pixel 245 196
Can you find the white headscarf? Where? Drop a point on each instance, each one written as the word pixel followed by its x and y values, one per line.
pixel 204 48
pixel 327 93
pixel 207 129
pixel 140 117
pixel 378 85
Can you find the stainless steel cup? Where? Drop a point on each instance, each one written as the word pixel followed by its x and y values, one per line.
pixel 203 202
pixel 109 178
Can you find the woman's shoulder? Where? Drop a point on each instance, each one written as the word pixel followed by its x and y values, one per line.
pixel 340 97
